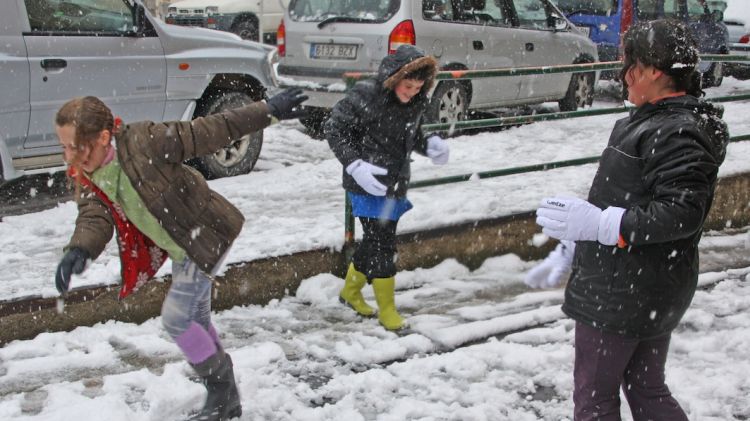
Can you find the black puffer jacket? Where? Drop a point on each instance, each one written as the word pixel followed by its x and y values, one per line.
pixel 371 124
pixel 660 165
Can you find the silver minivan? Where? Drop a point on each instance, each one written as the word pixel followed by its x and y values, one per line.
pixel 319 40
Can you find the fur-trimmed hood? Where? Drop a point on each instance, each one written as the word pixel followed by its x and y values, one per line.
pixel 405 60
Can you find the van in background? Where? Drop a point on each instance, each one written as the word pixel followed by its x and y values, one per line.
pixel 254 20
pixel 605 21
pixel 320 40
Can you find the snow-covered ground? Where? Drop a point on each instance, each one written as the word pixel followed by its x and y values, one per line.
pixel 294 201
pixel 481 347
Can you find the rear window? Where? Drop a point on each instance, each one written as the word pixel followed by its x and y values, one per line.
pixel 343 10
pixel 588 7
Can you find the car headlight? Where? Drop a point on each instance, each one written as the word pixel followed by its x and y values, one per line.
pixel 212 10
pixel 171 10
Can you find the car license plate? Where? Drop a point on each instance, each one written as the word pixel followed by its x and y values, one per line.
pixel 586 30
pixel 333 51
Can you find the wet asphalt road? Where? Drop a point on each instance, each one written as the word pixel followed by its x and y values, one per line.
pixel 33 194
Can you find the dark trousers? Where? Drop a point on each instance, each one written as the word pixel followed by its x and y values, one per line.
pixel 605 361
pixel 375 255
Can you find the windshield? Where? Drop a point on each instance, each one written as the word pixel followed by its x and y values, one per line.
pixel 587 7
pixel 345 10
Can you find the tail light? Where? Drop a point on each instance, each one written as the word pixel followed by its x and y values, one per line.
pixel 402 34
pixel 745 39
pixel 281 40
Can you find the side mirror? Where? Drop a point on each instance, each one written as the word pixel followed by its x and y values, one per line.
pixel 557 23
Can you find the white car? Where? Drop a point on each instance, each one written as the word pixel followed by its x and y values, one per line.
pixel 52 51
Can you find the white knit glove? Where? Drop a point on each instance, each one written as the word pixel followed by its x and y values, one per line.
pixel 364 174
pixel 438 150
pixel 554 269
pixel 573 219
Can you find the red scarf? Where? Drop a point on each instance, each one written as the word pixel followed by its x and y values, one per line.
pixel 140 258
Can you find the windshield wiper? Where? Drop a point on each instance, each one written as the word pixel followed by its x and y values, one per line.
pixel 334 19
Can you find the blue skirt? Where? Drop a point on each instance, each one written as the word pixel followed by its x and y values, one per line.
pixel 379 207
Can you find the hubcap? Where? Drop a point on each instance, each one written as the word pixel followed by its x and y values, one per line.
pixel 233 154
pixel 582 91
pixel 452 106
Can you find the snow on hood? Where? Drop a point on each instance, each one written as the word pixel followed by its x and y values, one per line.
pixel 209 37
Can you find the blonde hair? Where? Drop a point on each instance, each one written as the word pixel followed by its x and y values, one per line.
pixel 90 116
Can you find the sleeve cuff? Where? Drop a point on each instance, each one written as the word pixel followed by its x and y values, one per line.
pixel 609 226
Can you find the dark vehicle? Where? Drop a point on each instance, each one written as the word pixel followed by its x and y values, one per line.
pixel 740 71
pixel 606 20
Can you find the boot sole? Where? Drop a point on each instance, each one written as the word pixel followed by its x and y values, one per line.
pixel 235 412
pixel 346 303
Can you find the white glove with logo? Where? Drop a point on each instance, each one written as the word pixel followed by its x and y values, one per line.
pixel 573 219
pixel 364 174
pixel 438 150
pixel 554 269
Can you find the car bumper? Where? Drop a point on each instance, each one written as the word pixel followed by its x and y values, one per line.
pixel 323 87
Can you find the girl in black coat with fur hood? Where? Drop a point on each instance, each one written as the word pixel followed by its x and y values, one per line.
pixel 373 132
pixel 633 245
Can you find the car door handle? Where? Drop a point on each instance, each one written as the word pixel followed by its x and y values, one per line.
pixel 478 45
pixel 53 63
pixel 529 46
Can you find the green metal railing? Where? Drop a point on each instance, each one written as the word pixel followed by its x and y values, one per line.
pixel 351 78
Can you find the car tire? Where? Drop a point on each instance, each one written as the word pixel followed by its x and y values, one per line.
pixel 237 158
pixel 314 121
pixel 580 92
pixel 449 103
pixel 246 29
pixel 714 76
pixel 741 72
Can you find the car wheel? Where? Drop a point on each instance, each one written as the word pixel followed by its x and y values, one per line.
pixel 239 157
pixel 580 92
pixel 714 76
pixel 246 29
pixel 742 72
pixel 449 103
pixel 314 120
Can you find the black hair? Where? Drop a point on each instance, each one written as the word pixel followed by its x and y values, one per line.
pixel 667 45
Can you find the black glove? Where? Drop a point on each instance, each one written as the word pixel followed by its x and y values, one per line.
pixel 74 261
pixel 286 104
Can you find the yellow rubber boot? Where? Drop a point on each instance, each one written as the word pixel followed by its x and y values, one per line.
pixel 351 293
pixel 384 294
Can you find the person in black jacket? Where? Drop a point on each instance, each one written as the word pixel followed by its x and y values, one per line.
pixel 635 240
pixel 373 131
